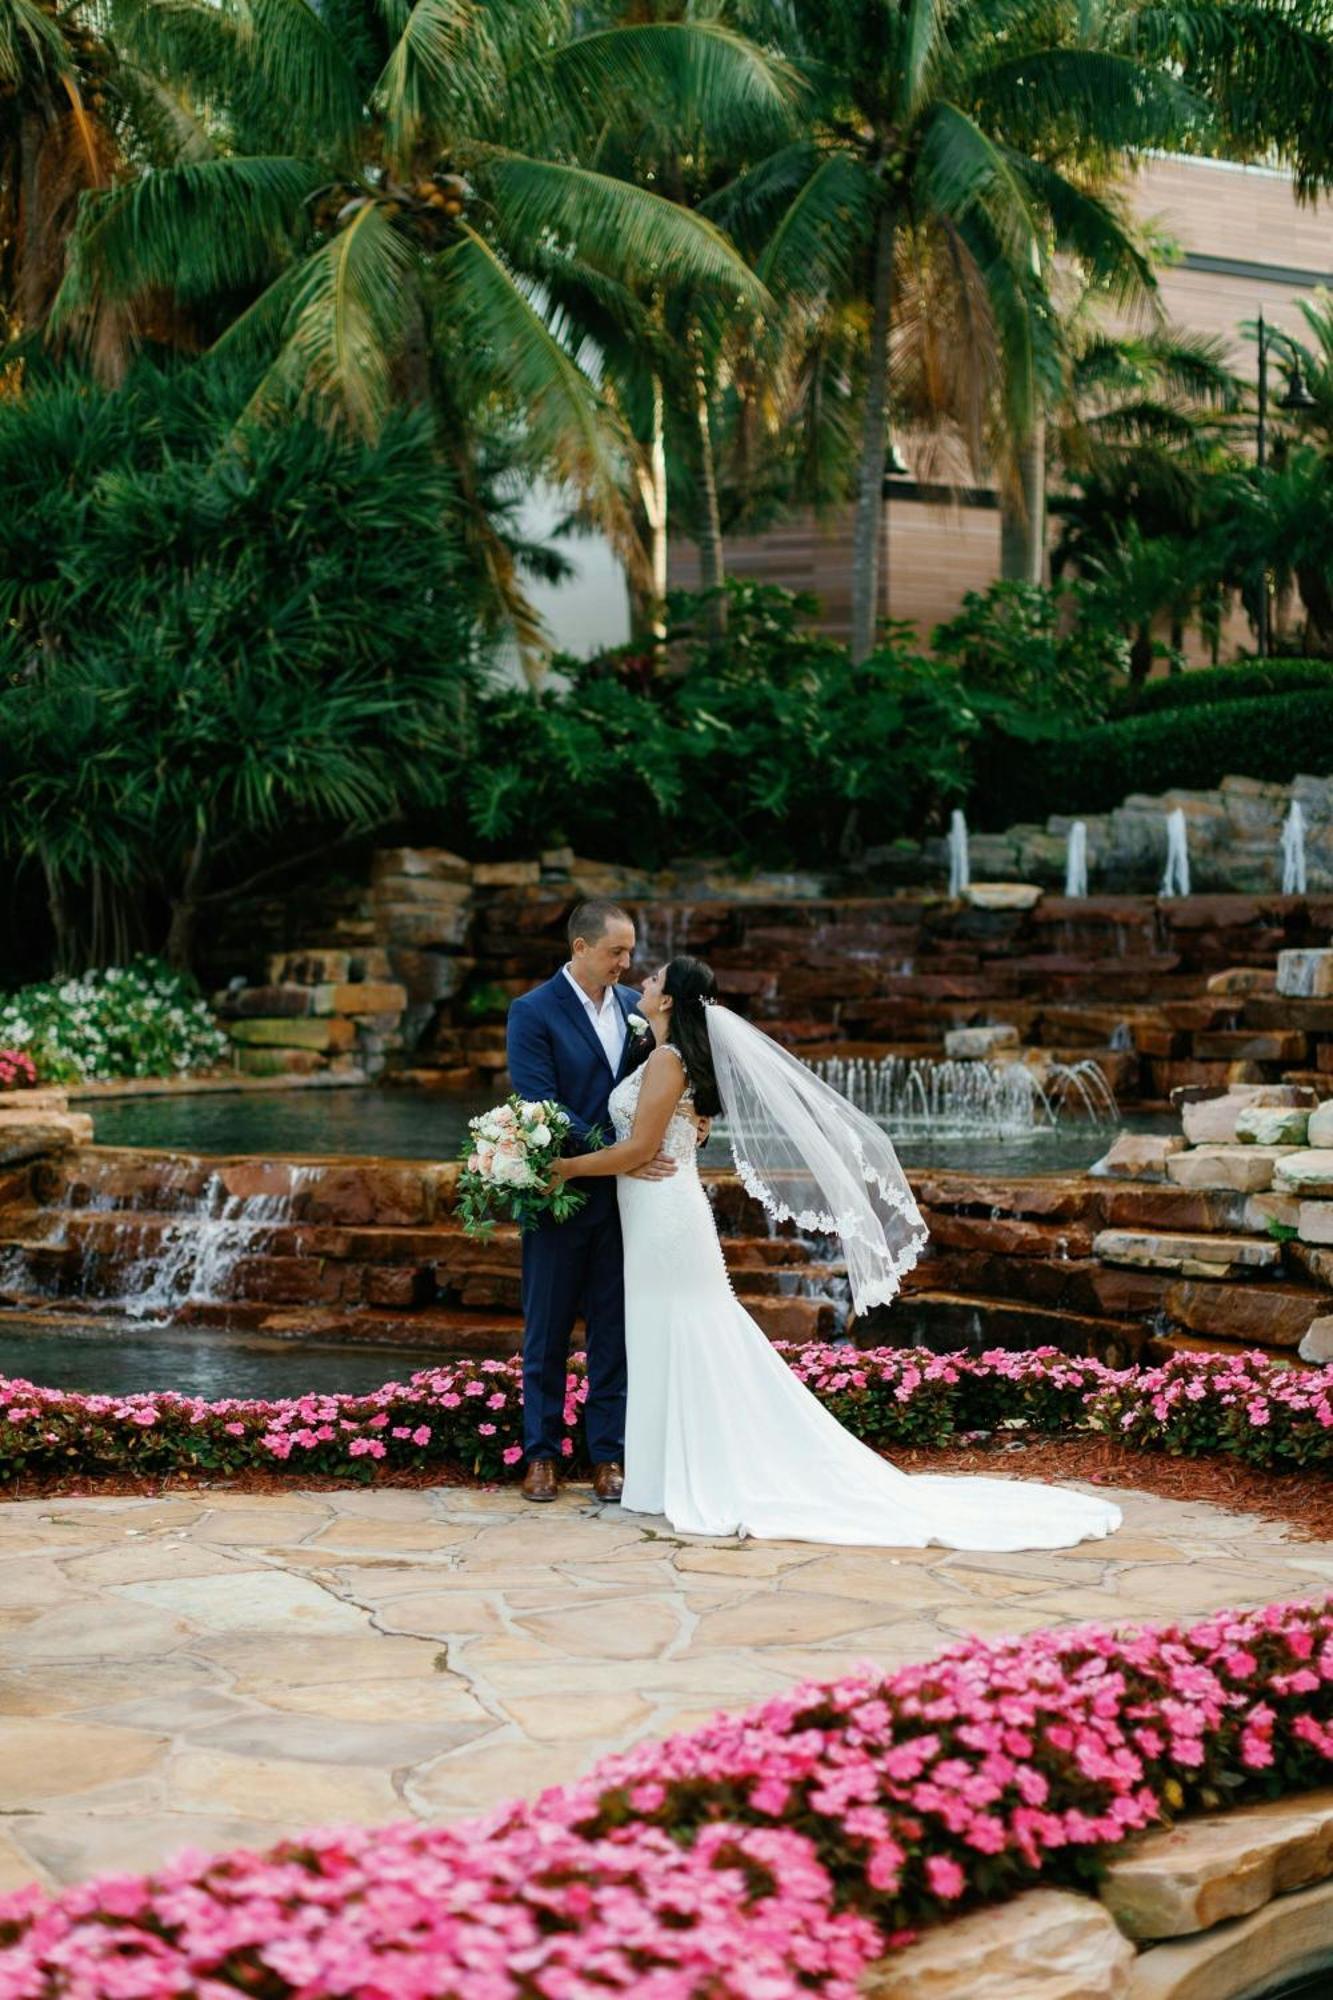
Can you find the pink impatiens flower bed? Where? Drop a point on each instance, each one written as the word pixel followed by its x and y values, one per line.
pixel 765 1856
pixel 467 1415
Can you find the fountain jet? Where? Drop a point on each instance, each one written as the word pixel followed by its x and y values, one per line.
pixel 1076 860
pixel 1176 880
pixel 1293 851
pixel 959 873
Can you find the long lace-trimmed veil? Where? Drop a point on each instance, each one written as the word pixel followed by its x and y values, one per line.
pixel 813 1159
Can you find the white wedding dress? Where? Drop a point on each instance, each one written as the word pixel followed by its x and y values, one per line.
pixel 721 1437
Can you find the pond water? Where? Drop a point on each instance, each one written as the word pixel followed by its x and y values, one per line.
pixel 416 1125
pixel 121 1357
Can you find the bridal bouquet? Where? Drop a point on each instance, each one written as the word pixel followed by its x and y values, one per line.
pixel 506 1165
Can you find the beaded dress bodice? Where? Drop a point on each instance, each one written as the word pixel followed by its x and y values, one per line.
pixel 682 1139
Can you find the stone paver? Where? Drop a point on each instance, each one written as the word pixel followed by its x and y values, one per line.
pixel 221 1669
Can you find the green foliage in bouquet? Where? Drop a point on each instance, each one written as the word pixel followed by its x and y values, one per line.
pixel 506 1162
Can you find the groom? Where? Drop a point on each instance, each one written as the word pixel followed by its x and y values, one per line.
pixel 570 1040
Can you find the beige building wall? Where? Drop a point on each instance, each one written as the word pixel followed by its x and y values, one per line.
pixel 1244 243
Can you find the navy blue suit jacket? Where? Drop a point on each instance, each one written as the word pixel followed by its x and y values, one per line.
pixel 554 1052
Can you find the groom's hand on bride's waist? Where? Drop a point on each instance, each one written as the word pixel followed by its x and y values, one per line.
pixel 659 1169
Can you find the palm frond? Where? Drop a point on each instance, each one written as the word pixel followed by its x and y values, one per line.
pixel 960 170
pixel 694 74
pixel 1266 70
pixel 444 59
pixel 818 244
pixel 30 39
pixel 501 341
pixel 1066 99
pixel 627 231
pixel 345 325
pixel 1087 227
pixel 198 228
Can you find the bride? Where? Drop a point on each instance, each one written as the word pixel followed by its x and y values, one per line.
pixel 720 1436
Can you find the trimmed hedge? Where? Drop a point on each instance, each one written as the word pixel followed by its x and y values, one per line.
pixel 1271 737
pixel 1244 681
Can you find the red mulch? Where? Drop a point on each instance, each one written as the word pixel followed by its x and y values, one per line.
pixel 1302 1501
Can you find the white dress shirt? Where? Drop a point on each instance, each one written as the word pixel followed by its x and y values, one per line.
pixel 607 1020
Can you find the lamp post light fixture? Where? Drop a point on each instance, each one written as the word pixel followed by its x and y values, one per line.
pixel 1296 397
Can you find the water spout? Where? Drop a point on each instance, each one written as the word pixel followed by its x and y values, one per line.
pixel 1176 880
pixel 1293 851
pixel 966 1099
pixel 1076 860
pixel 959 872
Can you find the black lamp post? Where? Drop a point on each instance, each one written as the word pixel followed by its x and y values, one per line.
pixel 1295 397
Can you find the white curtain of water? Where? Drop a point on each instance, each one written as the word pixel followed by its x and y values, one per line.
pixel 1076 860
pixel 959 874
pixel 1293 851
pixel 1176 880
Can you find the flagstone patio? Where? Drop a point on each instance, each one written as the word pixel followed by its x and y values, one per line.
pixel 225 1669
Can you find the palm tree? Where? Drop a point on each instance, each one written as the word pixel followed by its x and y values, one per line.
pixel 365 198
pixel 935 125
pixel 56 142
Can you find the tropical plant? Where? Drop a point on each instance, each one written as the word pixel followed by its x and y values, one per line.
pixel 221 638
pixel 935 142
pixel 366 203
pixel 773 743
pixel 142 1019
pixel 56 142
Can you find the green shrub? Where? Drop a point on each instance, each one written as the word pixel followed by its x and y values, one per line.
pixel 1245 681
pixel 773 746
pixel 1272 737
pixel 135 1020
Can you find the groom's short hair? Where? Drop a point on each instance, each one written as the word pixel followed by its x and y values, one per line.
pixel 591 920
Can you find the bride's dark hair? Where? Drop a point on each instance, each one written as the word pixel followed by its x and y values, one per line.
pixel 690 985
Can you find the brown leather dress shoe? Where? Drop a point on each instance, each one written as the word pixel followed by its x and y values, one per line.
pixel 539 1481
pixel 608 1481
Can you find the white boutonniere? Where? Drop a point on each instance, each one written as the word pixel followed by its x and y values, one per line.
pixel 636 1024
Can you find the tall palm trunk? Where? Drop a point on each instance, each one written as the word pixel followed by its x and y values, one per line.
pixel 870 484
pixel 712 562
pixel 651 480
pixel 1023 522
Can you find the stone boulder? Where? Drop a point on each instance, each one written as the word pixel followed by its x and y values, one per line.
pixel 45 1132
pixel 1139 1156
pixel 1187 1256
pixel 1003 895
pixel 1048 1943
pixel 1247 1169
pixel 1305 1173
pixel 1320 1130
pixel 1201 1872
pixel 1305 975
pixel 1284 1941
pixel 1240 981
pixel 1272 1125
pixel 1211 1121
pixel 976 1044
pixel 1317 1344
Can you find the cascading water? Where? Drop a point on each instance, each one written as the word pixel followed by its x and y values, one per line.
pixel 1076 860
pixel 1176 879
pixel 193 1258
pixel 964 1099
pixel 959 871
pixel 150 1251
pixel 1293 851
